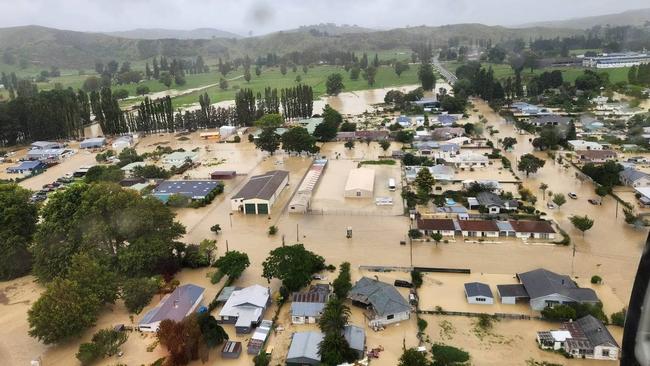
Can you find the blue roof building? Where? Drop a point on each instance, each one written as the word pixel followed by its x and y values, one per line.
pixel 192 189
pixel 27 167
pixel 403 121
pixel 447 119
pixel 176 306
pixel 93 143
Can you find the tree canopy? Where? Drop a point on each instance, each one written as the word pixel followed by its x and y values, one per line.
pixel 18 218
pixel 232 264
pixel 582 223
pixel 334 84
pixel 293 265
pixel 529 163
pixel 298 139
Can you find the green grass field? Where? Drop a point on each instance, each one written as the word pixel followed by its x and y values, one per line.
pixel 315 77
pixel 502 71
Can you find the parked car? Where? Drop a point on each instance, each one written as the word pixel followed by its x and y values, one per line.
pixel 595 201
pixel 402 283
pixel 551 205
pixel 573 195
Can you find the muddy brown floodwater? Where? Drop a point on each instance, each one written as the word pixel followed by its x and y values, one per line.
pixel 610 249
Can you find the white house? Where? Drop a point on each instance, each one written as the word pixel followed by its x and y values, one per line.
pixel 468 160
pixel 175 306
pixel 122 142
pixel 634 178
pixel 245 308
pixel 479 228
pixel 584 145
pixel 533 229
pixel 478 293
pixel 444 227
pixel 260 193
pixel 385 302
pixel 360 183
pixel 179 158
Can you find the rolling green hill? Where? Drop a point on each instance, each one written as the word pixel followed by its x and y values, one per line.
pixel 160 33
pixel 637 17
pixel 44 47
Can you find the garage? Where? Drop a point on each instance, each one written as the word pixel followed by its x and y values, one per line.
pixel 249 208
pixel 262 209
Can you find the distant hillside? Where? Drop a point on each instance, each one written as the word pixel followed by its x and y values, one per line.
pixel 67 49
pixel 639 17
pixel 159 33
pixel 332 29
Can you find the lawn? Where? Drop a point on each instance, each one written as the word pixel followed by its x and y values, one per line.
pixel 502 71
pixel 315 77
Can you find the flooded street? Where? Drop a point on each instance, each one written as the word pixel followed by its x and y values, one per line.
pixel 610 249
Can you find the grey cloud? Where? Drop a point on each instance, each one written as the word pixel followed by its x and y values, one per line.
pixel 262 16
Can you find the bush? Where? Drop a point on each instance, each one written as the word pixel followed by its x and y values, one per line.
pixel 596 280
pixel 88 353
pixel 273 230
pixel 237 139
pixel 618 318
pixel 121 93
pixel 448 355
pixel 178 200
pixel 422 325
pixel 415 234
pixel 416 278
pixel 559 313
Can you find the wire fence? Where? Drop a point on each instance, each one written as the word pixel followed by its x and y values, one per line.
pixel 342 212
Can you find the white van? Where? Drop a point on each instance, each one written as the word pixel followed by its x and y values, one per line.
pixel 391 184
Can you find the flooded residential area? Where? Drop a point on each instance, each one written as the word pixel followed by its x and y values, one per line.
pixel 336 195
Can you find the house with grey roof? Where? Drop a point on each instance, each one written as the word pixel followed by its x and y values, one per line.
pixel 550 120
pixel 385 303
pixel 305 345
pixel 175 306
pixel 546 289
pixel 478 293
pixel 260 193
pixel 304 349
pixel 307 307
pixel 495 204
pixel 634 178
pixel 586 337
pixel 245 308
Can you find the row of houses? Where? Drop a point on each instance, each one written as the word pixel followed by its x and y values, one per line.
pixel 301 201
pixel 487 228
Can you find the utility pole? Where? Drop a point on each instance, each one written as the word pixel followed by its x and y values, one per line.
pixel 297 235
pixel 573 258
pixel 227 246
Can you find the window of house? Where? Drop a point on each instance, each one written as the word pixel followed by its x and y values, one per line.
pixel 391 316
pixel 605 353
pixel 358 194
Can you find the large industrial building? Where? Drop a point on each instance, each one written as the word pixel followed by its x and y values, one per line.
pixel 260 193
pixel 612 60
pixel 360 183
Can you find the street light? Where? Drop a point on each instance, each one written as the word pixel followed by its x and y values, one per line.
pixel 230 217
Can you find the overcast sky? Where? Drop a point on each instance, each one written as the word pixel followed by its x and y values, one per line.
pixel 263 16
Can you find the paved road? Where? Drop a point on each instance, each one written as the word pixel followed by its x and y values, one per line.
pixel 448 75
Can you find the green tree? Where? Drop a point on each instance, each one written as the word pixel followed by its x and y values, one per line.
pixel 400 67
pixel 142 90
pixel 618 318
pixel 166 79
pixel 582 223
pixel 106 342
pixel 543 187
pixel 151 172
pixel 293 265
pixel 213 333
pixel 424 182
pixel 94 277
pixel 216 228
pixel 559 199
pixel 18 219
pixel 559 313
pixel 223 84
pixel 232 264
pixel 444 355
pixel 334 84
pixel 88 353
pixel 529 163
pixel 355 71
pixel 405 137
pixel 272 120
pixel 334 317
pixel 413 357
pixel 427 77
pixel 247 76
pixel 385 144
pixel 508 143
pixel 268 141
pixel 138 292
pixel 349 144
pixel 370 74
pixel 62 312
pixel 334 349
pixel 437 237
pixel 298 139
pixel 102 173
pixel 343 283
